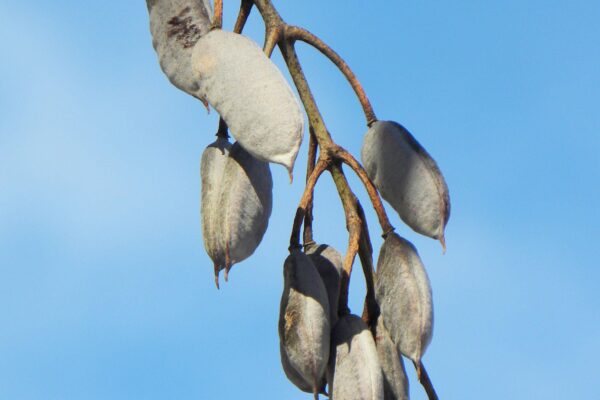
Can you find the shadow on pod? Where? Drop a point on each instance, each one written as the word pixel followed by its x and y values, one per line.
pixel 237 196
pixel 329 265
pixel 395 381
pixel 304 330
pixel 407 178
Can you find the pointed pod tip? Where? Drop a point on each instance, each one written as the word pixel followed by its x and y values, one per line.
pixel 291 175
pixel 443 243
pixel 217 269
pixel 206 105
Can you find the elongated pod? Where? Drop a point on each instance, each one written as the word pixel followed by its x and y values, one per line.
pixel 403 293
pixel 354 371
pixel 236 203
pixel 395 382
pixel 250 93
pixel 329 265
pixel 176 26
pixel 304 330
pixel 407 177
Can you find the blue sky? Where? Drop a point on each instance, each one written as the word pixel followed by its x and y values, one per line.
pixel 105 287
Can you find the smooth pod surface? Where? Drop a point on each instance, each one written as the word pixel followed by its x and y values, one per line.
pixel 407 178
pixel 403 293
pixel 304 330
pixel 329 265
pixel 395 382
pixel 237 196
pixel 176 26
pixel 250 93
pixel 354 371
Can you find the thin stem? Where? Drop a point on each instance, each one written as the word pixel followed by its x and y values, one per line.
pixel 272 36
pixel 298 33
pixel 310 166
pixel 349 159
pixel 222 132
pixel 217 22
pixel 314 115
pixel 353 224
pixel 307 196
pixel 425 381
pixel 245 9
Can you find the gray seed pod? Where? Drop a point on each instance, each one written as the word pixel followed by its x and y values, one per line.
pixel 354 372
pixel 404 296
pixel 250 93
pixel 395 382
pixel 329 264
pixel 407 177
pixel 304 330
pixel 237 196
pixel 176 26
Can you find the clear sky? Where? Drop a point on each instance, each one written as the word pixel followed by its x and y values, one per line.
pixel 106 291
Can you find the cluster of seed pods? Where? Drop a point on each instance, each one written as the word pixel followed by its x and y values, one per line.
pixel 322 351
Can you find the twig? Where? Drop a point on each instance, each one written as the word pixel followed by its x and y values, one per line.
pixel 298 33
pixel 349 159
pixel 321 166
pixel 425 381
pixel 245 9
pixel 217 22
pixel 272 36
pixel 353 224
pixel 310 166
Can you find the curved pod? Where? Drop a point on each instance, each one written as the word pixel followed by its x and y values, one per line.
pixel 237 196
pixel 250 93
pixel 176 26
pixel 407 178
pixel 403 293
pixel 354 371
pixel 304 330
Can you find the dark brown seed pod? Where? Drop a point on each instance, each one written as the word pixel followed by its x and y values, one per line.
pixel 176 26
pixel 251 95
pixel 395 382
pixel 403 293
pixel 354 371
pixel 329 265
pixel 407 177
pixel 236 203
pixel 304 330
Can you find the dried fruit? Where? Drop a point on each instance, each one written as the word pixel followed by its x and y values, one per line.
pixel 395 382
pixel 407 177
pixel 304 330
pixel 329 265
pixel 354 372
pixel 236 203
pixel 251 94
pixel 176 26
pixel 403 293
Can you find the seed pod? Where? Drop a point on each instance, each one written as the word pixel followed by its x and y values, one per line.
pixel 407 177
pixel 403 293
pixel 236 203
pixel 250 93
pixel 354 372
pixel 176 26
pixel 395 382
pixel 329 264
pixel 304 330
